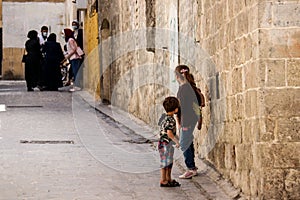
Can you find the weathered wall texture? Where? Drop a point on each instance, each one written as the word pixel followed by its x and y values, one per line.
pixel 18 19
pixel 245 56
pixel 90 68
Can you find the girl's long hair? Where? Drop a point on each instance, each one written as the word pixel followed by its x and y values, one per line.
pixel 183 73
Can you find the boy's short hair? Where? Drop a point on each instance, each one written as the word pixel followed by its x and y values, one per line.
pixel 170 104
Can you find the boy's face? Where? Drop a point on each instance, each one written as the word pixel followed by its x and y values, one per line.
pixel 176 111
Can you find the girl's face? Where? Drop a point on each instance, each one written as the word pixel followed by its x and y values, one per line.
pixel 177 77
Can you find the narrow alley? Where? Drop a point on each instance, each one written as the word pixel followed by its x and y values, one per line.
pixel 62 145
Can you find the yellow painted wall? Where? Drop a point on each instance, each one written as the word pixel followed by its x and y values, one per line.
pixel 12 67
pixel 91 63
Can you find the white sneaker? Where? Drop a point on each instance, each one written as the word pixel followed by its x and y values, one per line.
pixel 187 175
pixel 195 173
pixel 77 88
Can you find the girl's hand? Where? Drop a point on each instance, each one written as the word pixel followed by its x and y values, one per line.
pixel 177 145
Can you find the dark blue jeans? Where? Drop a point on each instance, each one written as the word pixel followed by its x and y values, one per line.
pixel 75 65
pixel 187 146
pixel 189 157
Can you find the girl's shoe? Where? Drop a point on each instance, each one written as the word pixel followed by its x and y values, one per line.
pixel 187 175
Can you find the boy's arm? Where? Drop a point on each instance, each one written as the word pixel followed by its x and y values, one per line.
pixel 172 137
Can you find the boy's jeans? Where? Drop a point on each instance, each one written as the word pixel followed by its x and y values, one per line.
pixel 187 146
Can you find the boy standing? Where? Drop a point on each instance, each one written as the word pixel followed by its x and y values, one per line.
pixel 167 140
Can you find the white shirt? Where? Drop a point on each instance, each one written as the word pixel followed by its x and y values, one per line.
pixel 41 39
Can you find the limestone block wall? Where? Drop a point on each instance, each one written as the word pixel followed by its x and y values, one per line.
pixel 245 57
pixel 255 49
pixel 129 78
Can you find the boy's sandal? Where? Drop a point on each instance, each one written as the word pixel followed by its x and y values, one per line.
pixel 175 183
pixel 166 185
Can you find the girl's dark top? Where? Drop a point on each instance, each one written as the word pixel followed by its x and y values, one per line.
pixel 188 100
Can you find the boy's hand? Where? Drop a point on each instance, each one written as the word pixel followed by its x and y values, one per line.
pixel 177 145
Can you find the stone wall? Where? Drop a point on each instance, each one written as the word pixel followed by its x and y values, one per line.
pixel 245 56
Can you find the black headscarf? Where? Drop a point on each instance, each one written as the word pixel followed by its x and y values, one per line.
pixel 32 34
pixel 52 37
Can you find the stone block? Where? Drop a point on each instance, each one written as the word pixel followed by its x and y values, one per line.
pixel 279 43
pixel 247 133
pixel 275 73
pixel 254 74
pixel 280 155
pixel 265 14
pixel 265 130
pixel 245 182
pixel 253 18
pixel 282 102
pixel 242 23
pixel 286 14
pixel 244 156
pixel 288 129
pixel 240 106
pixel 251 104
pixel 273 184
pixel 292 183
pixel 293 71
pixel 254 179
pixel 230 162
pixel 237 80
pixel 233 133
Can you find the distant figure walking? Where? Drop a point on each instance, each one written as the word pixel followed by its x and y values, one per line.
pixel 33 60
pixel 53 57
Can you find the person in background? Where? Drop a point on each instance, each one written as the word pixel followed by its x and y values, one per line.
pixel 32 62
pixel 72 55
pixel 53 57
pixel 43 35
pixel 78 33
pixel 42 39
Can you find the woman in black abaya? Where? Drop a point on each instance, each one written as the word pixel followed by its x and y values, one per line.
pixel 53 57
pixel 33 60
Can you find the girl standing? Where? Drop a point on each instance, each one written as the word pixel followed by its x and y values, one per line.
pixel 187 117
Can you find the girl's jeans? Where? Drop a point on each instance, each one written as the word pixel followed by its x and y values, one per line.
pixel 75 64
pixel 187 146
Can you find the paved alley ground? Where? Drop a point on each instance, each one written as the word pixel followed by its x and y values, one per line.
pixel 64 146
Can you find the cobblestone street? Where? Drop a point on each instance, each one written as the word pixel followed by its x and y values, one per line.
pixel 56 145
